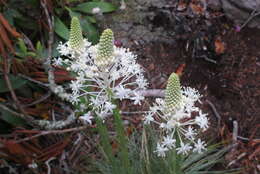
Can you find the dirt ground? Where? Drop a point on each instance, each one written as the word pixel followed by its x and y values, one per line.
pixel 230 86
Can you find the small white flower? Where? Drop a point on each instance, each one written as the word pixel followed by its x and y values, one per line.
pixel 96 10
pixel 63 49
pixel 109 106
pixel 137 98
pixel 199 146
pixel 75 86
pixel 184 149
pixel 202 121
pixel 122 92
pixel 87 118
pixel 148 118
pixel 58 61
pixel 33 165
pixel 190 133
pixel 168 142
pixel 141 82
pixel 160 150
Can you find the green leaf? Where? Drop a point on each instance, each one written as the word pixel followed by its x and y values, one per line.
pixel 16 83
pixel 22 46
pixel 91 31
pixel 61 29
pixel 12 119
pixel 73 13
pixel 39 49
pixel 91 19
pixel 87 7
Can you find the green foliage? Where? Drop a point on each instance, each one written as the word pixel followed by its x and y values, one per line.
pixel 113 164
pixel 23 52
pixel 87 7
pixel 145 161
pixel 18 13
pixel 16 82
pixel 11 119
pixel 61 29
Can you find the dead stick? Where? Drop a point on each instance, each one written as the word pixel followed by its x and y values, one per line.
pixel 214 111
pixel 41 99
pixel 47 63
pixel 54 132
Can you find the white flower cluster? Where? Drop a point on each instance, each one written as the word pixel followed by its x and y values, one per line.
pixel 100 77
pixel 181 124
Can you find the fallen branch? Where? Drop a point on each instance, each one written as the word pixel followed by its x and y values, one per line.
pixel 152 92
pixel 76 129
pixel 215 112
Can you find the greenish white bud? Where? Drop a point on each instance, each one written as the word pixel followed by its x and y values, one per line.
pixel 105 52
pixel 173 95
pixel 76 37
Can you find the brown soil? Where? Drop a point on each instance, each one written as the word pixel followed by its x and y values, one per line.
pixel 232 85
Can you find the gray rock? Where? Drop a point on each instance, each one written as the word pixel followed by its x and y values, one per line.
pixel 142 21
pixel 240 11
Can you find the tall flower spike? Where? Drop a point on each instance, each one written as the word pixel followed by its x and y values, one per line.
pixel 105 48
pixel 173 94
pixel 76 38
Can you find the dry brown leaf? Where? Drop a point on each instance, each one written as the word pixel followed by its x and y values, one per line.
pixel 7 42
pixel 180 69
pixel 219 46
pixel 8 27
pixel 181 6
pixel 196 8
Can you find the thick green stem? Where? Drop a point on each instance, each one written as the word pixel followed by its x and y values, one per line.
pixel 122 140
pixel 105 142
pixel 177 160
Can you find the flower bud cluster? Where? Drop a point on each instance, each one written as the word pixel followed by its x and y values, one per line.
pixel 102 72
pixel 178 118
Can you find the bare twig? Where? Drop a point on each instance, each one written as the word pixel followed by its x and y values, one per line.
pixel 235 131
pixel 237 159
pixel 41 99
pixel 152 92
pixel 212 106
pixel 48 67
pixel 47 164
pixel 34 81
pixel 54 132
pixel 252 15
pixel 28 42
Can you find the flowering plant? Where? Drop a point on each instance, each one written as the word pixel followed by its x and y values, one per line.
pixel 179 119
pixel 103 72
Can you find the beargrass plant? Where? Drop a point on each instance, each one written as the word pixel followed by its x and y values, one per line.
pixel 105 75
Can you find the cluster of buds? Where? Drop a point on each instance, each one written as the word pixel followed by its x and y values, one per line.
pixel 103 72
pixel 178 118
